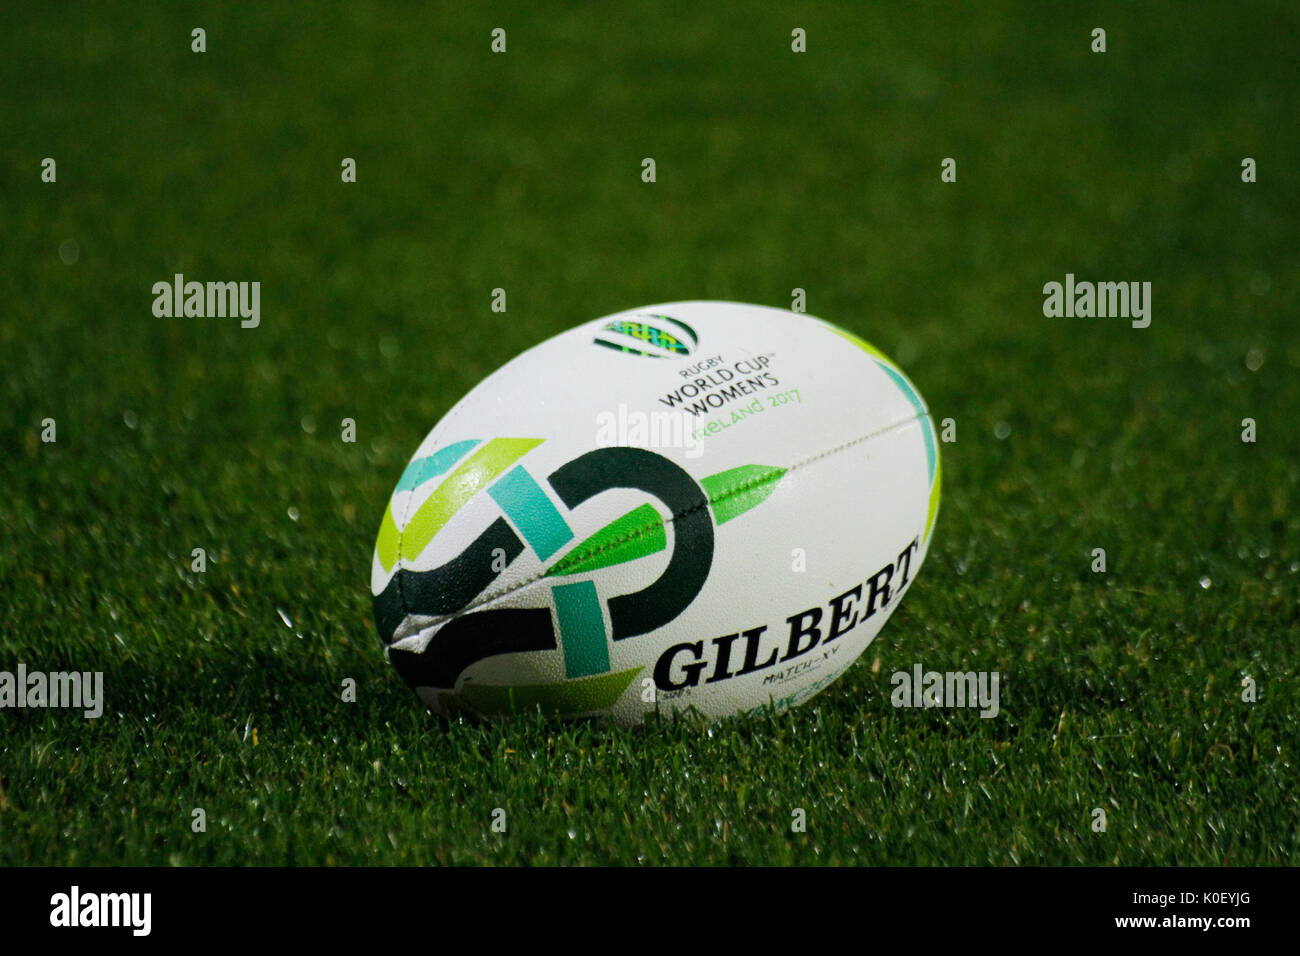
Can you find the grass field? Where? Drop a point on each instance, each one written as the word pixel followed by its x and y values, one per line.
pixel 776 170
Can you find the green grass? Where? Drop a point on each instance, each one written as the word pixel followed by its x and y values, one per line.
pixel 775 171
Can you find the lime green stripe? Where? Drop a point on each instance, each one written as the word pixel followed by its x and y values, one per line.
pixel 581 696
pixel 638 533
pixel 860 343
pixel 389 536
pixel 474 474
pixel 934 499
pixel 416 474
pixel 735 491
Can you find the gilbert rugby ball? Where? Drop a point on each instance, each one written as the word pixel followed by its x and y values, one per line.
pixel 696 507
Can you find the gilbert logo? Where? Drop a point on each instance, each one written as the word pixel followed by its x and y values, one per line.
pixel 77 909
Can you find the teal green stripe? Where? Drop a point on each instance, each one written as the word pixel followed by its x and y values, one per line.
pixel 527 506
pixel 926 431
pixel 422 469
pixel 582 629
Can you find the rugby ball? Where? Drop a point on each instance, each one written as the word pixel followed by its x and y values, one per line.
pixel 698 507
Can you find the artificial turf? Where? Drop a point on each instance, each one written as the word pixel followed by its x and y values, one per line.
pixel 522 171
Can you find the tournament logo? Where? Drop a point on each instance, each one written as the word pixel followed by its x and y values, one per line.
pixel 530 517
pixel 660 337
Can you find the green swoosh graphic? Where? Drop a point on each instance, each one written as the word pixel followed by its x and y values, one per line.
pixel 737 490
pixel 638 533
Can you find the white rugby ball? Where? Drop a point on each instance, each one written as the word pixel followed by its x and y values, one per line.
pixel 698 506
